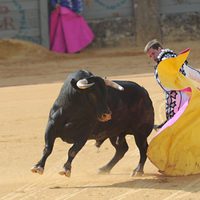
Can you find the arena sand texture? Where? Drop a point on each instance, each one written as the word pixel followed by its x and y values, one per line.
pixel 30 79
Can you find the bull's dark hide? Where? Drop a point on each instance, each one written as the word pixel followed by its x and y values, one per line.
pixel 89 107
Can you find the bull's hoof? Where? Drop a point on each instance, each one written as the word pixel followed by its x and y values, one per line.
pixel 135 173
pixel 66 173
pixel 37 169
pixel 103 170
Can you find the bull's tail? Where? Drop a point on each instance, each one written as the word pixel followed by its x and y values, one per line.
pixel 156 127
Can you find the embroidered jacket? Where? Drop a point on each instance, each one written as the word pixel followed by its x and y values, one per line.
pixel 175 99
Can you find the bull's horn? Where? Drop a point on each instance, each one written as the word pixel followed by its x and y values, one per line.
pixel 83 84
pixel 113 84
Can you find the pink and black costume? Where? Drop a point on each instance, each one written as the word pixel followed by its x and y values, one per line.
pixel 69 32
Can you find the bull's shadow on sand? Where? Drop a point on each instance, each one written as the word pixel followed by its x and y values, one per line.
pixel 150 181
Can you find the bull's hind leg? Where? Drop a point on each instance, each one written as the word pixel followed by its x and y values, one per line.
pixel 121 148
pixel 49 142
pixel 141 142
pixel 77 146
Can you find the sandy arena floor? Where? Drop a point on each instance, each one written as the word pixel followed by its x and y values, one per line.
pixel 30 79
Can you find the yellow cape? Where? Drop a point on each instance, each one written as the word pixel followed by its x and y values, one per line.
pixel 176 149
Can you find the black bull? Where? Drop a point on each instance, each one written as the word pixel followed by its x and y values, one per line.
pixel 88 107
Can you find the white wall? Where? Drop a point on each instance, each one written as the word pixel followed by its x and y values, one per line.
pixel 24 19
pixel 179 6
pixel 105 9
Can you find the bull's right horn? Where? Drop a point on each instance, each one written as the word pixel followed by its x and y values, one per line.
pixel 113 84
pixel 83 84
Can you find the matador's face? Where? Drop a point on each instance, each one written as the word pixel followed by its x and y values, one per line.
pixel 153 53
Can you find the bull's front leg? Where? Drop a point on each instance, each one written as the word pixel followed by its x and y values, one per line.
pixel 141 142
pixel 77 146
pixel 49 143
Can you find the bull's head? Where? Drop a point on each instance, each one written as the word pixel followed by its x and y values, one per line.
pixel 96 91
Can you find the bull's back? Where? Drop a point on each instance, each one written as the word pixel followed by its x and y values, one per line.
pixel 132 95
pixel 131 108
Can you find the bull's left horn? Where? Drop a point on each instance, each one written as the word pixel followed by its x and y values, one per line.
pixel 83 84
pixel 113 84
